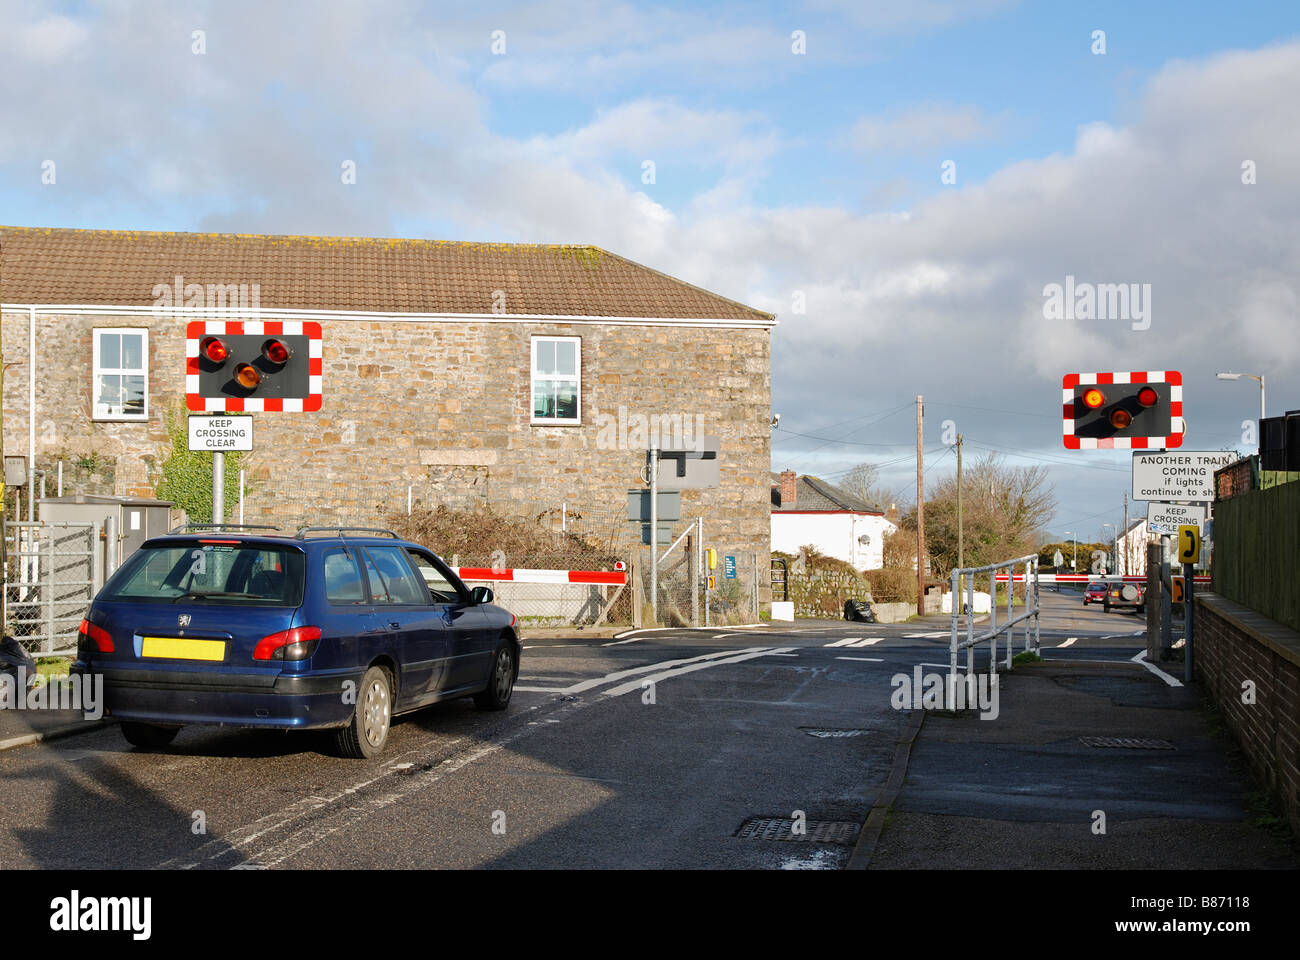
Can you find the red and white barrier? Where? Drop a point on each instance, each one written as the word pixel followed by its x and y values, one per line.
pixel 512 575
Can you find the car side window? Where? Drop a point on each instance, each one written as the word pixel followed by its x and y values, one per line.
pixel 439 586
pixel 391 578
pixel 343 582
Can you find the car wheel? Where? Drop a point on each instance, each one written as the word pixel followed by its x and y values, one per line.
pixel 502 682
pixel 367 732
pixel 148 734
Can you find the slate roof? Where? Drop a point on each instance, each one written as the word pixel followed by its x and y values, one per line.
pixel 812 493
pixel 116 267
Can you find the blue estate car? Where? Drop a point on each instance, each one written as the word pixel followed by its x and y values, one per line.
pixel 329 628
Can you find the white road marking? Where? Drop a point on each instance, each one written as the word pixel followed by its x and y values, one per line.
pixel 841 643
pixel 944 666
pixel 1141 657
pixel 523 689
pixel 933 635
pixel 304 807
pixel 1068 643
pixel 863 659
pixel 662 665
pixel 619 643
pixel 677 672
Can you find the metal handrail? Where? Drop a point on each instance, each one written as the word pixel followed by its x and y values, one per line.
pixel 1031 612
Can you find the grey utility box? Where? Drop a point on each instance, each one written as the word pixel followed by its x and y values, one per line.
pixel 136 519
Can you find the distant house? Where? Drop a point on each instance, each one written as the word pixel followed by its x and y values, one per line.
pixel 806 510
pixel 1131 559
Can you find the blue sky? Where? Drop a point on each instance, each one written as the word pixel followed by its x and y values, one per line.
pixel 776 176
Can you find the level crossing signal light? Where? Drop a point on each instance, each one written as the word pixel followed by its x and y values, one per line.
pixel 253 365
pixel 1122 410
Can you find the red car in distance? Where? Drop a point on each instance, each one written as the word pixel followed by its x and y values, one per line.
pixel 1094 592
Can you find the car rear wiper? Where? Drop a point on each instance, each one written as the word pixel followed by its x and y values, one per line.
pixel 199 595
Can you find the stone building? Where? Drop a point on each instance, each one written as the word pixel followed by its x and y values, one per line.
pixel 526 378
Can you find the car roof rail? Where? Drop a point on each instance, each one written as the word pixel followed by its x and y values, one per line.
pixel 346 531
pixel 218 527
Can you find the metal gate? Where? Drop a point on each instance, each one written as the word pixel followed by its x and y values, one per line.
pixel 49 581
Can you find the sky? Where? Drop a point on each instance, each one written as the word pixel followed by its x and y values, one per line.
pixel 897 182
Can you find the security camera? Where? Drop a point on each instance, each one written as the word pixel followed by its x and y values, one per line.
pixel 776 419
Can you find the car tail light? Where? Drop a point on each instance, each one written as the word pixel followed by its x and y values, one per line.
pixel 247 376
pixel 96 635
pixel 276 351
pixel 296 644
pixel 1120 419
pixel 1147 397
pixel 214 348
pixel 1093 399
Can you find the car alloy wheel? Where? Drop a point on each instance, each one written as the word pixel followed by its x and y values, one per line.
pixel 376 712
pixel 503 678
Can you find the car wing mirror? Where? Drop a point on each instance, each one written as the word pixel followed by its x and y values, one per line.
pixel 481 594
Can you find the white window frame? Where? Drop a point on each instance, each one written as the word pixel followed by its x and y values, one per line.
pixel 97 370
pixel 575 379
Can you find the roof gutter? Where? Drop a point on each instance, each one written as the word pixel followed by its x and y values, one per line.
pixel 237 313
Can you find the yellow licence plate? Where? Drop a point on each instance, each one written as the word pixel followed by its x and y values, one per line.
pixel 175 648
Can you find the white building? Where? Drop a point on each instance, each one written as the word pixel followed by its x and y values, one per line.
pixel 806 510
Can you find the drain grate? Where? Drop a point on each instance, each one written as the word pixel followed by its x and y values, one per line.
pixel 1126 743
pixel 833 732
pixel 782 828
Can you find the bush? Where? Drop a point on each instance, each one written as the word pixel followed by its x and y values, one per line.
pixel 892 585
pixel 483 538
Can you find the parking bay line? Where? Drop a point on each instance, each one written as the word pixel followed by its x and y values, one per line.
pixel 863 659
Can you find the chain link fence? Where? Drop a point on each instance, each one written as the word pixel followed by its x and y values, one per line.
pixel 49 581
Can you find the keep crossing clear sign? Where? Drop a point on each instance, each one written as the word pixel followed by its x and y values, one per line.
pixel 221 434
pixel 1166 518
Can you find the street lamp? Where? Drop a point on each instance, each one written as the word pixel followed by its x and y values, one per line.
pixel 1252 376
pixel 1115 555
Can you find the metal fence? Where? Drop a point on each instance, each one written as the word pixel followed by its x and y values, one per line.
pixel 965 638
pixel 50 573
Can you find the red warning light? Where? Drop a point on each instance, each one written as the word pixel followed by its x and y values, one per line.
pixel 276 351
pixel 1093 399
pixel 1147 397
pixel 214 348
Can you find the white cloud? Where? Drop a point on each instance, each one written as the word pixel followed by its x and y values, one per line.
pixel 923 127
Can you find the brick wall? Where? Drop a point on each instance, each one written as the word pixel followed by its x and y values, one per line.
pixel 1234 645
pixel 441 406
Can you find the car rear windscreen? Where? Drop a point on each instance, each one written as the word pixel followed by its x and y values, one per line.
pixel 242 573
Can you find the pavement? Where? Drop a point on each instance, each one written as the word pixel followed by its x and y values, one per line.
pixel 21 728
pixel 1024 791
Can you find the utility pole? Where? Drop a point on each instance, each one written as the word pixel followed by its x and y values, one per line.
pixel 920 510
pixel 960 552
pixel 1124 566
